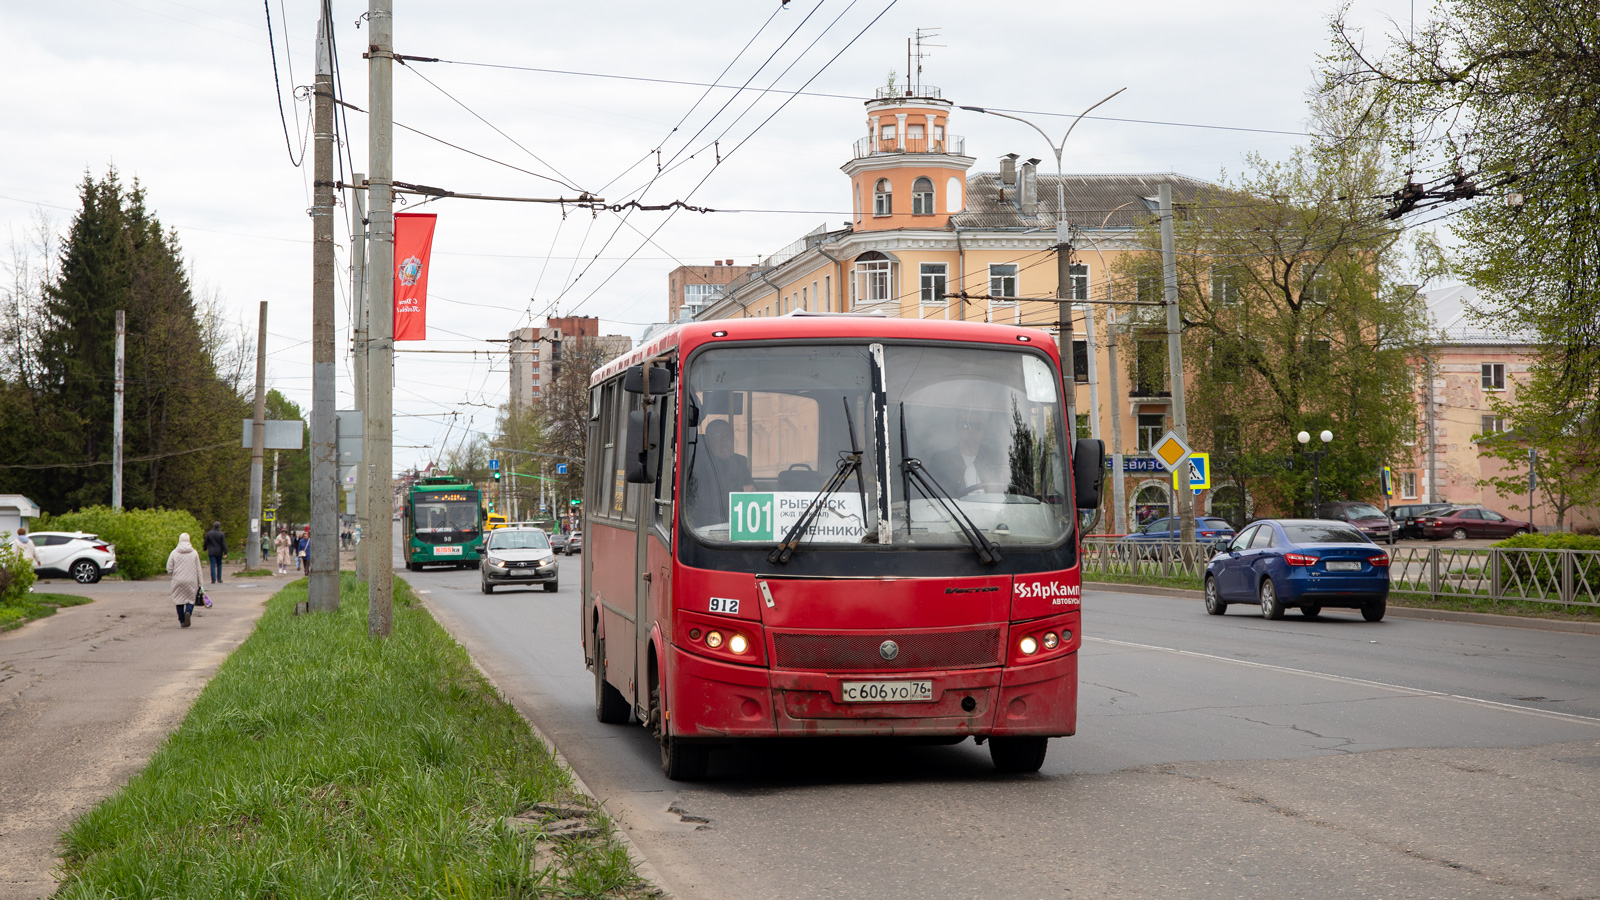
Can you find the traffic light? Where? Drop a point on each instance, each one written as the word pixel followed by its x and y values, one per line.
pixel 497 476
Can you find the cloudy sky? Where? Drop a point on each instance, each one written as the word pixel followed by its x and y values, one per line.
pixel 183 96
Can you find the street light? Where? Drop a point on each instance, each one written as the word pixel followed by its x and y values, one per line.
pixel 1316 463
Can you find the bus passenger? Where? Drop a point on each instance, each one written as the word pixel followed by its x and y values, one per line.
pixel 716 474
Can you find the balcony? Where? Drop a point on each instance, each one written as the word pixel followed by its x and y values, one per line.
pixel 916 92
pixel 954 145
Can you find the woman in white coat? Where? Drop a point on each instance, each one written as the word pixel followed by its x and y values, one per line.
pixel 184 565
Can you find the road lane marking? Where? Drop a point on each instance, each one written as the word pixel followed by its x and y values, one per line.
pixel 1345 679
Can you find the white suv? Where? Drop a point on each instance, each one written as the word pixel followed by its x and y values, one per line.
pixel 72 554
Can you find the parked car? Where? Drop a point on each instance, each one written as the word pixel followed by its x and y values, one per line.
pixel 73 554
pixel 1407 518
pixel 1147 541
pixel 1368 518
pixel 1461 522
pixel 513 555
pixel 1311 564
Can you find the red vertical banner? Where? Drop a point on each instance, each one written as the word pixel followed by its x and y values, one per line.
pixel 413 244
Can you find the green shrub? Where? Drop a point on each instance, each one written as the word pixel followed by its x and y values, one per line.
pixel 1556 540
pixel 16 573
pixel 143 537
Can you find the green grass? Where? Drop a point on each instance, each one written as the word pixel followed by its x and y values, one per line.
pixel 253 573
pixel 1529 608
pixel 1167 581
pixel 320 763
pixel 35 606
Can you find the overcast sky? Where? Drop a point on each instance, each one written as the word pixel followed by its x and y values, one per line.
pixel 182 96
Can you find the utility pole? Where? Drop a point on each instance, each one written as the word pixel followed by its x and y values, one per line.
pixel 117 397
pixel 380 324
pixel 258 448
pixel 1433 434
pixel 322 590
pixel 358 328
pixel 1180 420
pixel 1118 507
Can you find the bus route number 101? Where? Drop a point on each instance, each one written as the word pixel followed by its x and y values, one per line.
pixel 751 516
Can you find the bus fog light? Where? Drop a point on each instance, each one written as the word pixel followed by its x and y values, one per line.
pixel 694 634
pixel 1050 640
pixel 1066 635
pixel 738 644
pixel 713 639
pixel 1029 646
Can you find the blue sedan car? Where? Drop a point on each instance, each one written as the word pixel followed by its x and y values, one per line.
pixel 1306 563
pixel 1166 531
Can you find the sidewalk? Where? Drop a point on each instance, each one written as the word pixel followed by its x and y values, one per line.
pixel 88 694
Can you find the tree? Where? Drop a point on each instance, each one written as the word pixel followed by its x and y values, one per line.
pixel 566 411
pixel 1296 316
pixel 1507 92
pixel 289 470
pixel 1568 467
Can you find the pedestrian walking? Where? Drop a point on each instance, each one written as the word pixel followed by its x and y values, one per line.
pixel 183 564
pixel 283 545
pixel 305 550
pixel 216 546
pixel 23 546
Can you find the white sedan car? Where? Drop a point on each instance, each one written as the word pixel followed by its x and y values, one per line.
pixel 73 554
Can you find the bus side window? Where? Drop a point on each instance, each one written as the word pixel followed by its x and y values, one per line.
pixel 621 403
pixel 666 484
pixel 600 477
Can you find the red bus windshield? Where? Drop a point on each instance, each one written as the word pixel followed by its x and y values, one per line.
pixel 922 445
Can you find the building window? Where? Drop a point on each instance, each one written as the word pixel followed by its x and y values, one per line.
pixel 874 278
pixel 1151 428
pixel 1003 282
pixel 882 198
pixel 827 292
pixel 934 277
pixel 938 137
pixel 1079 275
pixel 1150 503
pixel 916 141
pixel 1150 289
pixel 1224 286
pixel 1227 359
pixel 1494 376
pixel 1080 362
pixel 922 197
pixel 888 133
pixel 1150 368
pixel 1225 434
pixel 1313 287
pixel 1492 425
pixel 1408 485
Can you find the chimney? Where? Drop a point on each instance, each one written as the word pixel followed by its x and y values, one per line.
pixel 728 263
pixel 1028 189
pixel 1008 169
pixel 719 262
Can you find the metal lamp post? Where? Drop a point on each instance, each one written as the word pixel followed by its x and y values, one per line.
pixel 1316 470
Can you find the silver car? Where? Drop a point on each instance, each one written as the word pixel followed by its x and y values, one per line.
pixel 515 555
pixel 73 554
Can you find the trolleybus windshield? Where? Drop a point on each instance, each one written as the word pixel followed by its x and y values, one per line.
pixel 769 425
pixel 439 516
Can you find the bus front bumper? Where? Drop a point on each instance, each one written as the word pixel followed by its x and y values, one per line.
pixel 712 699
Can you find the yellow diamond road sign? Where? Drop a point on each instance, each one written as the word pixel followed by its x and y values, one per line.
pixel 1171 450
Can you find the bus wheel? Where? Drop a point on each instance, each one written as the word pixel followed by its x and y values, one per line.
pixel 1018 755
pixel 679 761
pixel 610 706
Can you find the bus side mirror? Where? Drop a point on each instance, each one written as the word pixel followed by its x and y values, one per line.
pixel 1088 472
pixel 641 454
pixel 660 380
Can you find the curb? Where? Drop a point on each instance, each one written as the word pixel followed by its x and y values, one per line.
pixel 1402 612
pixel 640 863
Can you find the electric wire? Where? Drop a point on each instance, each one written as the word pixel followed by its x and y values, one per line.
pixel 278 85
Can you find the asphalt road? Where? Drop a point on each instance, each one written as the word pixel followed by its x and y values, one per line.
pixel 1216 758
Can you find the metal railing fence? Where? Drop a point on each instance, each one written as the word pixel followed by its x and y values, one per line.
pixel 1564 577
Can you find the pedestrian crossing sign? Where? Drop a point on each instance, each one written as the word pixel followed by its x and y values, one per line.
pixel 1199 473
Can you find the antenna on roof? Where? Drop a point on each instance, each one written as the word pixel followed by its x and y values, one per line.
pixel 921 39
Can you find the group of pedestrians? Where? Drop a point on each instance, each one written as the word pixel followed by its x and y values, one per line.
pixel 183 564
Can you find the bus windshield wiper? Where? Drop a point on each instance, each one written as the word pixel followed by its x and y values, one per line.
pixel 918 474
pixel 849 463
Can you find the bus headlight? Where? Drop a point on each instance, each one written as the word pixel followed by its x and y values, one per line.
pixel 1050 640
pixel 1029 646
pixel 738 643
pixel 713 639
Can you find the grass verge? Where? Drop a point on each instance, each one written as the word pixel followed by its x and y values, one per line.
pixel 35 606
pixel 1167 581
pixel 322 763
pixel 253 573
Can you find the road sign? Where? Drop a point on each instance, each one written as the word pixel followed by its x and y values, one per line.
pixel 1171 450
pixel 494 464
pixel 1199 473
pixel 1388 481
pixel 269 515
pixel 561 468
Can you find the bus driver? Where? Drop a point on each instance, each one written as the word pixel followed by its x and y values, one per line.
pixel 716 473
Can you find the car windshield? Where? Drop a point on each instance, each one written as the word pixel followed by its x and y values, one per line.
pixel 774 423
pixel 1363 511
pixel 518 540
pixel 1305 533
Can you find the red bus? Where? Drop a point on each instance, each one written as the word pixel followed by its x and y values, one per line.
pixel 819 525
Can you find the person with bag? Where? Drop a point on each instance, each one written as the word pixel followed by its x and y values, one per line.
pixel 305 551
pixel 183 564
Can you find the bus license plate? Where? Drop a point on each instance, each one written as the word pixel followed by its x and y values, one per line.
pixel 888 691
pixel 447 551
pixel 1343 565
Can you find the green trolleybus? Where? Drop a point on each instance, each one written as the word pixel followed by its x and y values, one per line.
pixel 443 523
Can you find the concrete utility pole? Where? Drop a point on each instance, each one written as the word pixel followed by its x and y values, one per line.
pixel 258 445
pixel 116 412
pixel 379 460
pixel 1433 434
pixel 358 329
pixel 323 579
pixel 1118 518
pixel 1180 418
